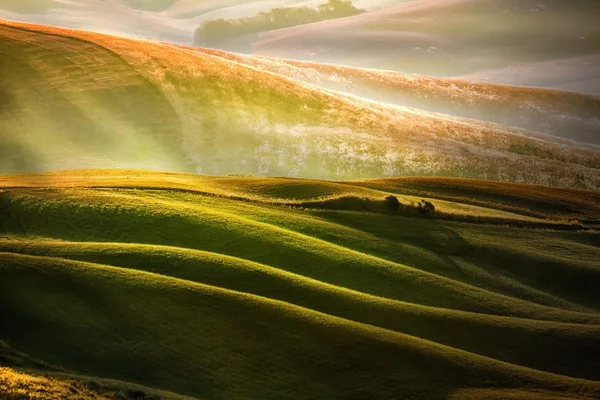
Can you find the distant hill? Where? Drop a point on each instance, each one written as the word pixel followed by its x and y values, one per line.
pixel 74 99
pixel 577 74
pixel 218 32
pixel 454 38
pixel 182 223
pixel 171 20
pixel 568 115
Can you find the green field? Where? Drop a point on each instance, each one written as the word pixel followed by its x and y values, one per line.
pixel 568 115
pixel 73 99
pixel 303 243
pixel 272 288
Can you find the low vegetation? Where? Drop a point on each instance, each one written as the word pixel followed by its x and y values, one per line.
pixel 535 201
pixel 122 284
pixel 216 32
pixel 27 6
pixel 170 108
pixel 438 38
pixel 28 385
pixel 568 115
pixel 234 287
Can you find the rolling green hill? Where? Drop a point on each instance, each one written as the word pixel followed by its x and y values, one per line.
pixel 234 287
pixel 75 99
pixel 573 116
pixel 289 252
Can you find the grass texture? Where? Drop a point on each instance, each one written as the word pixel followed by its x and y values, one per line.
pixel 73 99
pixel 233 287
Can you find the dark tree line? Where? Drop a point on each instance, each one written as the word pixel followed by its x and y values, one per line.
pixel 212 33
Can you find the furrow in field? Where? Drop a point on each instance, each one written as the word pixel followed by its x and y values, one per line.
pixel 118 217
pixel 79 306
pixel 570 342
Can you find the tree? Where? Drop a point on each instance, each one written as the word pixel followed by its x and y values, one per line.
pixel 219 31
pixel 392 204
pixel 338 8
pixel 426 207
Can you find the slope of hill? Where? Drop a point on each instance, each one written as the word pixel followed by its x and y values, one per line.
pixel 109 16
pixel 489 199
pixel 243 8
pixel 123 283
pixel 512 45
pixel 450 38
pixel 169 108
pixel 171 20
pixel 577 74
pixel 525 200
pixel 180 283
pixel 569 115
pixel 28 385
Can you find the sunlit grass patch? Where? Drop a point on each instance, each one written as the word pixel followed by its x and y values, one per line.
pixel 207 285
pixel 165 107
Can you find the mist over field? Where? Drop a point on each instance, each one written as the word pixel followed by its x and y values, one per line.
pixel 547 43
pixel 170 20
pixel 292 200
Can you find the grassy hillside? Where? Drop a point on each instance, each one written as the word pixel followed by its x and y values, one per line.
pixel 242 8
pixel 169 108
pixel 512 46
pixel 27 6
pixel 171 20
pixel 238 288
pixel 450 38
pixel 543 202
pixel 290 252
pixel 569 115
pixel 516 202
pixel 30 385
pixel 118 17
pixel 233 33
pixel 577 74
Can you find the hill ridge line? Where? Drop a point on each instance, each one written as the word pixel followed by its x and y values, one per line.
pixel 32 29
pixel 44 243
pixel 313 203
pixel 387 263
pixel 449 286
pixel 380 333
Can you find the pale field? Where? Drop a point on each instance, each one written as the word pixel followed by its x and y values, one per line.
pixel 194 105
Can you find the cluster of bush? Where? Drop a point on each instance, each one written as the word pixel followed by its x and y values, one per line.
pixel 393 206
pixel 390 204
pixel 214 32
